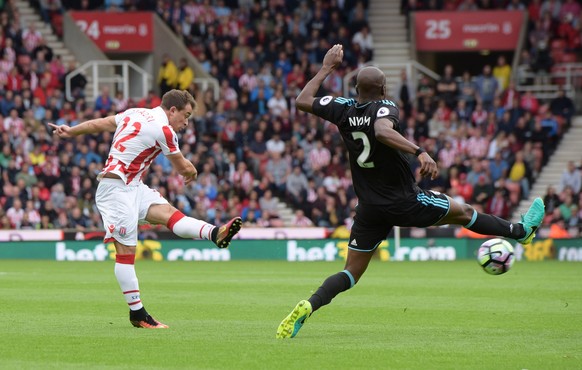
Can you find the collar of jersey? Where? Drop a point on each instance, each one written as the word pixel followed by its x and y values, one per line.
pixel 363 105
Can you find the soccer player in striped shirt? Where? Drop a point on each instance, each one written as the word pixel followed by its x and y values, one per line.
pixel 124 200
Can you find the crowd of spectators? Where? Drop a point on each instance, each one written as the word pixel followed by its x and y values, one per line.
pixel 564 203
pixel 489 140
pixel 251 145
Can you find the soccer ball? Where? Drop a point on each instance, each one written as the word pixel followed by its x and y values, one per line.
pixel 496 256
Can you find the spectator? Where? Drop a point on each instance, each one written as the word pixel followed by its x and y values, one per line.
pixel 551 199
pixel 277 104
pixel 276 172
pixel 498 205
pixel 297 187
pixel 363 38
pixel 520 173
pixel 483 191
pixel 572 178
pixel 551 7
pixel 77 81
pixel 31 38
pixel 502 71
pixel 467 90
pixel 464 188
pixel 319 156
pixel 151 100
pixel 558 229
pixel 562 106
pixel 447 88
pixel 15 214
pixel 268 204
pixel 498 167
pixel 185 75
pixel 167 74
pixel 300 220
pixel 104 102
pixel 404 93
pixel 486 88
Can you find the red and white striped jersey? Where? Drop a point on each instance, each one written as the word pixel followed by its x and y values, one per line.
pixel 141 135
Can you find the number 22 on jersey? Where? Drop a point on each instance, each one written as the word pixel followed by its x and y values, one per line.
pixel 363 157
pixel 122 136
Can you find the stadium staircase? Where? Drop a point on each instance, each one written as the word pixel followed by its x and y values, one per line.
pixel 551 173
pixel 391 45
pixel 28 15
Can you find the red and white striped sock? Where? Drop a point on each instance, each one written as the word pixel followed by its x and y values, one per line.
pixel 188 227
pixel 127 279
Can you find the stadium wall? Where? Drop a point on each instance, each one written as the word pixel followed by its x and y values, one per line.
pixel 292 250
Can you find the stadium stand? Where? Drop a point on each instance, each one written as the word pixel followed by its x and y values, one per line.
pixel 251 145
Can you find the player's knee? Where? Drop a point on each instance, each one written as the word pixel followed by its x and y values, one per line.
pixel 468 212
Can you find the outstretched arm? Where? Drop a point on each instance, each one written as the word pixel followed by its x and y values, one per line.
pixel 333 58
pixel 183 166
pixel 93 126
pixel 386 134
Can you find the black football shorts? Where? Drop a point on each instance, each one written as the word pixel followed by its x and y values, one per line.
pixel 373 223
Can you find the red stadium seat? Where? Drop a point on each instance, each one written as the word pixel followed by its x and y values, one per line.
pixel 558 69
pixel 557 54
pixel 558 44
pixel 569 58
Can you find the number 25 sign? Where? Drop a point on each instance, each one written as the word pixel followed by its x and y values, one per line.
pixel 466 31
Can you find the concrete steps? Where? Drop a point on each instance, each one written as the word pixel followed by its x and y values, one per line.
pixel 30 15
pixel 391 45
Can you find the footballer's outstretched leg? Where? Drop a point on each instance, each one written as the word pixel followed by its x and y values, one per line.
pixel 294 321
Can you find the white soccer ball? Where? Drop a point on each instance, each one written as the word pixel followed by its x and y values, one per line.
pixel 496 256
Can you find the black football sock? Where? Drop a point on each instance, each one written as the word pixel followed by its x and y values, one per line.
pixel 214 234
pixel 492 225
pixel 332 286
pixel 138 314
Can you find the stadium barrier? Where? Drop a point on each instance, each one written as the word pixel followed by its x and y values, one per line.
pixel 410 249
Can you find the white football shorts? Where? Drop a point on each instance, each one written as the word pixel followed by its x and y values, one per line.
pixel 123 207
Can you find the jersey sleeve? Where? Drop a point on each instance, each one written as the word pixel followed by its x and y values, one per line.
pixel 168 141
pixel 330 108
pixel 121 118
pixel 388 109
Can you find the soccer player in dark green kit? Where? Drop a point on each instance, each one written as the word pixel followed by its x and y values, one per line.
pixel 384 184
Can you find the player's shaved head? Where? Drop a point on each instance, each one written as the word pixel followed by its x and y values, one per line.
pixel 370 82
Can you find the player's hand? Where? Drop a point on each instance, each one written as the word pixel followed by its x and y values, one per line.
pixel 188 178
pixel 334 56
pixel 61 131
pixel 428 166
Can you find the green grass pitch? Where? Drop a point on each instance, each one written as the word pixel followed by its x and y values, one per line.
pixel 223 315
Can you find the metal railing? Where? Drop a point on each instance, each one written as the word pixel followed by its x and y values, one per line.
pixel 101 72
pixel 566 76
pixel 412 68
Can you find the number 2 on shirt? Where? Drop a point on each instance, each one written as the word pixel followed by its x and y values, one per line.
pixel 118 143
pixel 363 157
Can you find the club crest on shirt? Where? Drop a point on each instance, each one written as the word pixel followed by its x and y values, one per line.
pixel 383 112
pixel 325 100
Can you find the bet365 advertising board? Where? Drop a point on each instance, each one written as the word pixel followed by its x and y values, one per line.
pixel 293 250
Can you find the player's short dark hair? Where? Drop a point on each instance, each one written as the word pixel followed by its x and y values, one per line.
pixel 178 99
